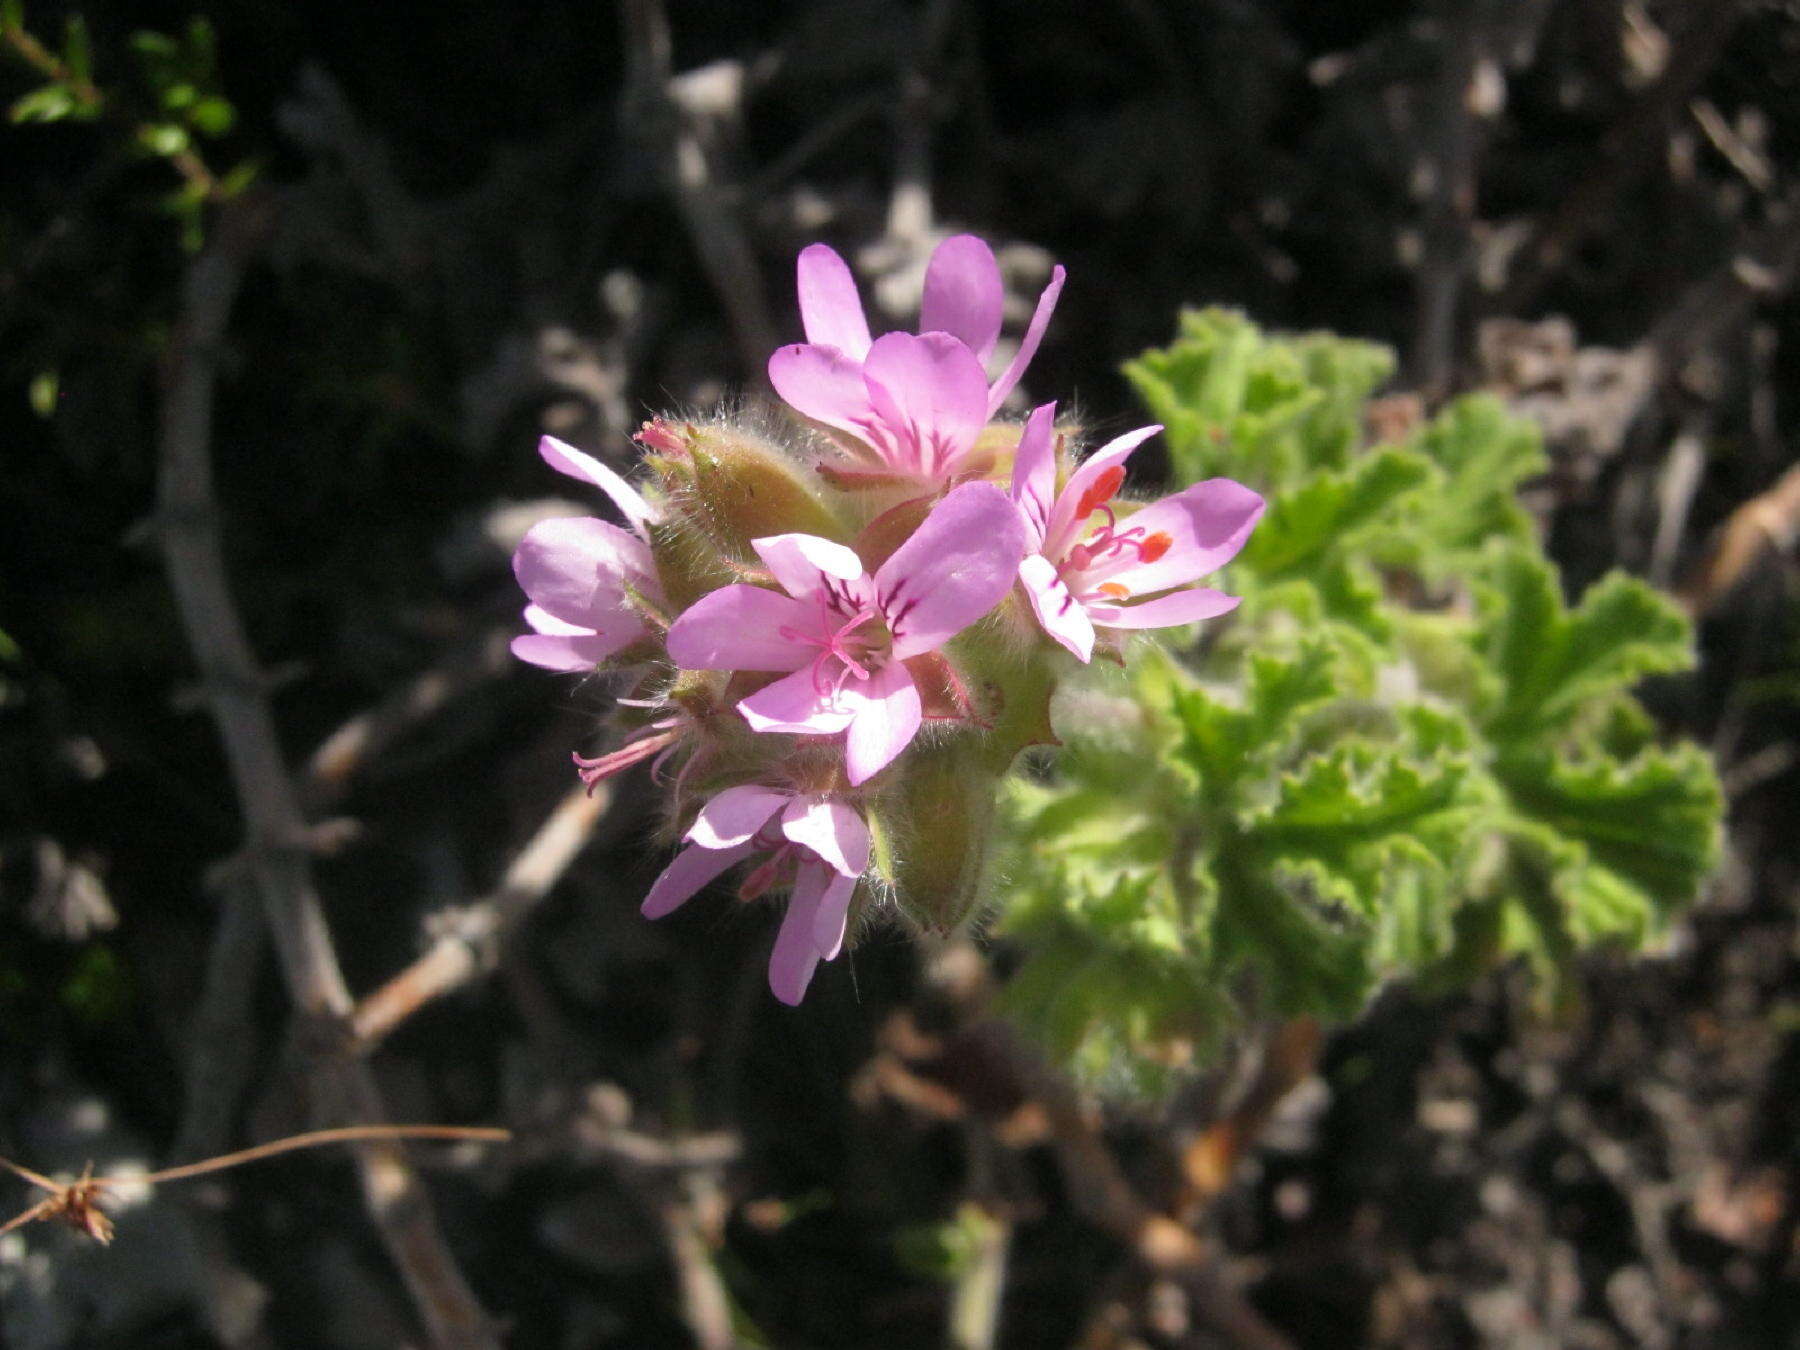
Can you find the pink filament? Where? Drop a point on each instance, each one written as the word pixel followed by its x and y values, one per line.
pixel 834 642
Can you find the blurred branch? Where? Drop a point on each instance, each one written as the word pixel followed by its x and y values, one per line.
pixel 671 115
pixel 342 1089
pixel 222 1043
pixel 1761 268
pixel 1483 39
pixel 1629 147
pixel 976 1296
pixel 361 740
pixel 692 1197
pixel 469 941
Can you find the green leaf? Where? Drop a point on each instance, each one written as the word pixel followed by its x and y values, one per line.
pixel 1553 661
pixel 212 116
pixel 163 138
pixel 240 176
pixel 1404 754
pixel 43 391
pixel 51 103
pixel 155 46
pixel 1654 820
pixel 12 16
pixel 1302 526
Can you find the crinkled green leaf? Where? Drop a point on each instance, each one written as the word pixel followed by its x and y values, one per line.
pixel 1553 661
pixel 1303 527
pixel 1404 755
pixel 1654 820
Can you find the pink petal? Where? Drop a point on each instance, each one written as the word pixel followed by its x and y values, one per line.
pixel 887 718
pixel 1055 608
pixel 565 458
pixel 1166 611
pixel 963 294
pixel 930 392
pixel 1040 320
pixel 832 916
pixel 794 705
pixel 824 384
pixel 576 567
pixel 833 830
pixel 558 645
pixel 1034 472
pixel 830 308
pixel 739 628
pixel 1064 528
pixel 797 561
pixel 956 567
pixel 795 955
pixel 690 869
pixel 563 652
pixel 735 815
pixel 1207 525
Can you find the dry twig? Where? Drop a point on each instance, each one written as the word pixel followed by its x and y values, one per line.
pixel 468 946
pixel 276 859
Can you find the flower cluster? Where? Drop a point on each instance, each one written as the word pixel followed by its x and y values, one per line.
pixel 844 636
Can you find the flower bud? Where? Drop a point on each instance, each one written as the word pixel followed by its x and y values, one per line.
pixel 937 822
pixel 740 485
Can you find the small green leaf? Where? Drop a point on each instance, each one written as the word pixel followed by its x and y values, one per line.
pixel 43 390
pixel 12 16
pixel 163 138
pixel 155 46
pixel 240 176
pixel 51 103
pixel 212 116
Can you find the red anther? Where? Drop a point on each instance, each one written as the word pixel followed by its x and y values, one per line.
pixel 1100 491
pixel 1154 547
pixel 1113 589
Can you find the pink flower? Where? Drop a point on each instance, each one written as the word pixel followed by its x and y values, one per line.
pixel 917 401
pixel 1079 575
pixel 580 574
pixel 846 636
pixel 818 846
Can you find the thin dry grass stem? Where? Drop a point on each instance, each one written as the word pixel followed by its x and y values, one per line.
pixel 77 1203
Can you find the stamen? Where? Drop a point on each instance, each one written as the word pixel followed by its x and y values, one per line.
pixel 642 746
pixel 1154 547
pixel 834 642
pixel 1113 589
pixel 1101 491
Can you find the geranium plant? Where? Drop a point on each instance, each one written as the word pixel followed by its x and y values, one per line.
pixel 1388 748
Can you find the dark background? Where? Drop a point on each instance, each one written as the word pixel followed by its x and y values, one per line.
pixel 480 234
